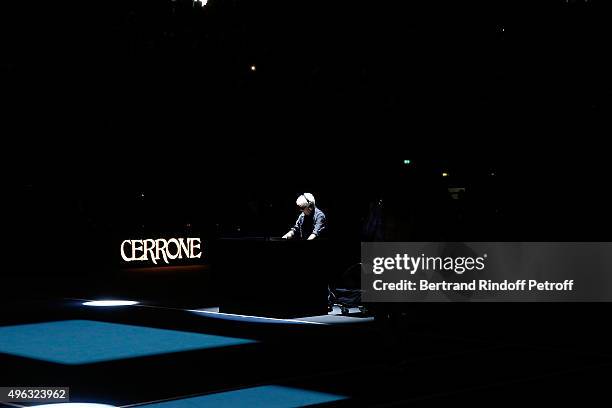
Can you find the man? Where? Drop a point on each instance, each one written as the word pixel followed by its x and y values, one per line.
pixel 311 223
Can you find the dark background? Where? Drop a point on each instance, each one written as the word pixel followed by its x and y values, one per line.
pixel 145 117
pixel 130 118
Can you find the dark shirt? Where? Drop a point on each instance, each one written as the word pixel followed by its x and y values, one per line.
pixel 315 223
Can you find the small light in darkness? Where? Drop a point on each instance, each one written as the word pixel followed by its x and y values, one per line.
pixel 107 303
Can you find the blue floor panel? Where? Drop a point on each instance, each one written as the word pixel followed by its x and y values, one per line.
pixel 85 341
pixel 269 396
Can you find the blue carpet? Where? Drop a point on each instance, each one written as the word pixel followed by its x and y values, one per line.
pixel 86 341
pixel 269 396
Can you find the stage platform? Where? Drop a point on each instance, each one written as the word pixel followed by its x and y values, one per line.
pixel 152 355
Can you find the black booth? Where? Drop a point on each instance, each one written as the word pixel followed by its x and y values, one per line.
pixel 274 278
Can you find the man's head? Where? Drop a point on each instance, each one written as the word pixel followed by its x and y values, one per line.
pixel 306 203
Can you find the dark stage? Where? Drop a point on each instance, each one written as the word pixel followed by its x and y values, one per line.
pixel 150 355
pixel 159 150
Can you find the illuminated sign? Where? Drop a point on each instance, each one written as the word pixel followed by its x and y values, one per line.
pixel 156 249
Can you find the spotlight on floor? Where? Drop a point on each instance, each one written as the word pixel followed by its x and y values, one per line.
pixel 106 303
pixel 74 405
